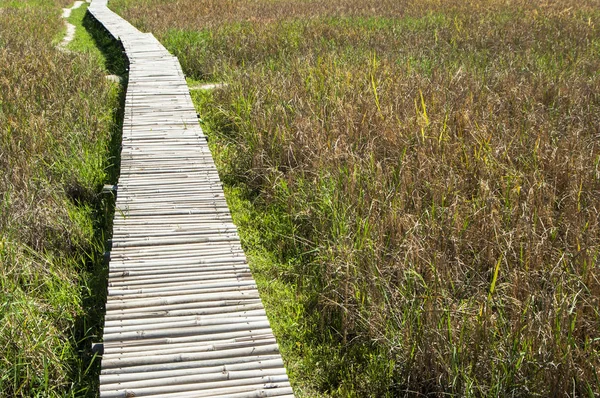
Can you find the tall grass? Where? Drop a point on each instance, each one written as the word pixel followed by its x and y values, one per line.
pixel 57 115
pixel 426 177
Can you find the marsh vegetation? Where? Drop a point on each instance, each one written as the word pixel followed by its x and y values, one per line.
pixel 58 118
pixel 417 183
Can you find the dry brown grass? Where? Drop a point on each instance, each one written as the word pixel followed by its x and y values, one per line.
pixel 56 115
pixel 438 159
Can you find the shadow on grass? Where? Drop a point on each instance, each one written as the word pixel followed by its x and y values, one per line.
pixel 115 61
pixel 88 328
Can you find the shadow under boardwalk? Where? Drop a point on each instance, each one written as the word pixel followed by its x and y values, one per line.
pixel 183 315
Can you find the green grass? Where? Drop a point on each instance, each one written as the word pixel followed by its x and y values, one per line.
pixel 416 183
pixel 58 126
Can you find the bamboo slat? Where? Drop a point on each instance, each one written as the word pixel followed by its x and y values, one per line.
pixel 265 390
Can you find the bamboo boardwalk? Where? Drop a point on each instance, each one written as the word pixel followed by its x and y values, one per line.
pixel 183 315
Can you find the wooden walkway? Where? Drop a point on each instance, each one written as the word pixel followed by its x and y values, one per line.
pixel 183 315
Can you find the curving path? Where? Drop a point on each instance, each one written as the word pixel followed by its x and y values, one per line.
pixel 183 315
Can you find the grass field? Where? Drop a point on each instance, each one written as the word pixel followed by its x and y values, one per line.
pixel 58 123
pixel 417 184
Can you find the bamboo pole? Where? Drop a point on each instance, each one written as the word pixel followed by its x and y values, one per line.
pixel 173 290
pixel 199 321
pixel 242 311
pixel 124 265
pixel 148 271
pixel 214 307
pixel 170 361
pixel 218 375
pixel 128 377
pixel 260 390
pixel 142 346
pixel 166 308
pixel 146 282
pixel 187 298
pixel 162 367
pixel 123 350
pixel 174 274
pixel 156 353
pixel 223 382
pixel 205 328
